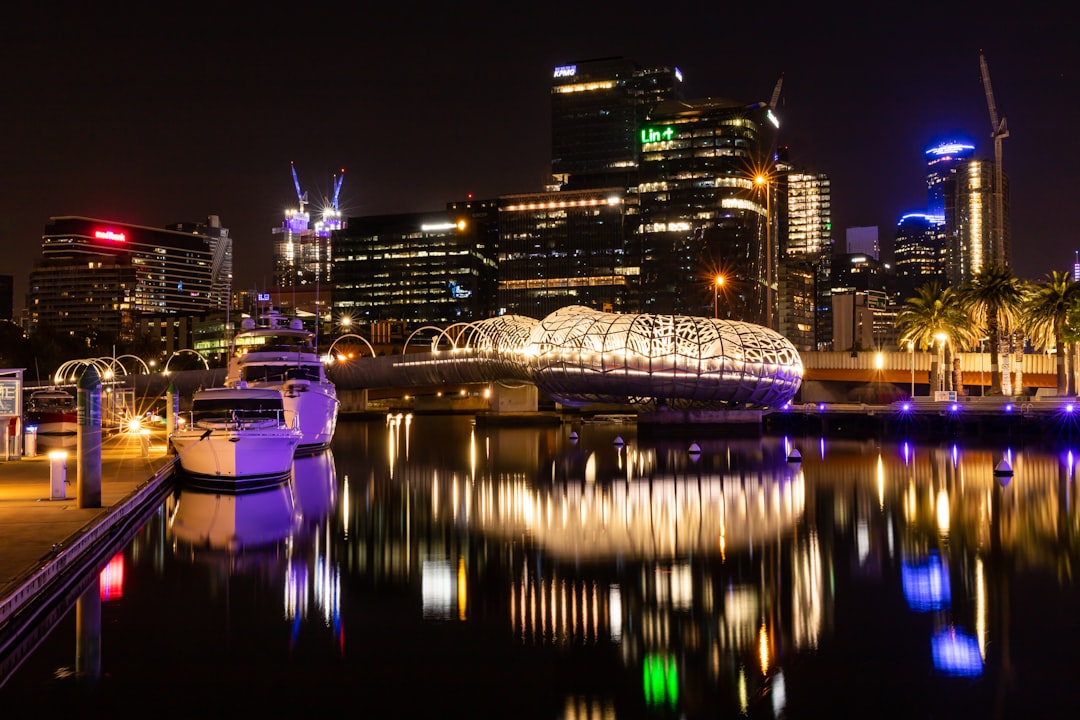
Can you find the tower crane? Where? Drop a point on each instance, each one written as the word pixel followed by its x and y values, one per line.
pixel 999 130
pixel 302 196
pixel 776 93
pixel 338 179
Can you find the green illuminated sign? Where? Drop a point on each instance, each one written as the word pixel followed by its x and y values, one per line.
pixel 651 135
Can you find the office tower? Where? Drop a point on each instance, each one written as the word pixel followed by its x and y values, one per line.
pixel 564 248
pixel 972 246
pixel 703 213
pixel 435 268
pixel 98 277
pixel 809 214
pixel 597 108
pixel 863 240
pixel 942 160
pixel 919 253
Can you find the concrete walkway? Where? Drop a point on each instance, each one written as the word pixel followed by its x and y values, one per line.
pixel 33 524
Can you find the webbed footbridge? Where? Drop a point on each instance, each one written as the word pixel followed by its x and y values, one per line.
pixel 579 356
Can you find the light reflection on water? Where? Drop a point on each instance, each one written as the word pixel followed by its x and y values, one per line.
pixel 522 572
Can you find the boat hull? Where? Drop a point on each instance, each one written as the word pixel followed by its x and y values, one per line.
pixel 316 408
pixel 231 460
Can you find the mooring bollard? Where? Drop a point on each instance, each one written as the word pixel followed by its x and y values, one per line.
pixel 58 475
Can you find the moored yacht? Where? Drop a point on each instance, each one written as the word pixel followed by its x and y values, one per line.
pixel 279 353
pixel 236 438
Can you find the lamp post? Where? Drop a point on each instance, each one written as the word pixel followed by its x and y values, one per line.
pixel 763 181
pixel 716 295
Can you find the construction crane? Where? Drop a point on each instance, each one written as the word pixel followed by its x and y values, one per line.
pixel 776 93
pixel 338 179
pixel 999 130
pixel 302 196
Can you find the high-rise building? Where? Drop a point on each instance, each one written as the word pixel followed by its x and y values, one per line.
pixel 433 268
pixel 597 109
pixel 942 160
pixel 919 253
pixel 99 276
pixel 703 213
pixel 565 248
pixel 972 246
pixel 301 247
pixel 809 214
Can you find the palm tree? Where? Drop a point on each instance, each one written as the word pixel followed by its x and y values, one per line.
pixel 934 312
pixel 993 298
pixel 1046 317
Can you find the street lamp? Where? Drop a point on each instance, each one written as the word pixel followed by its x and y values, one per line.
pixel 716 295
pixel 762 181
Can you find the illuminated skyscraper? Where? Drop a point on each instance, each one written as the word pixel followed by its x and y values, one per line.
pixel 971 245
pixel 703 214
pixel 809 214
pixel 942 160
pixel 919 253
pixel 597 108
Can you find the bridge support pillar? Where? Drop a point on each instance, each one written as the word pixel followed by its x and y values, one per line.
pixel 353 401
pixel 517 399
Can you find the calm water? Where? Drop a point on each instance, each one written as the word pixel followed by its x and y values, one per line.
pixel 443 570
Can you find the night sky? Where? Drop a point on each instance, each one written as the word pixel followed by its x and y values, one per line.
pixel 170 112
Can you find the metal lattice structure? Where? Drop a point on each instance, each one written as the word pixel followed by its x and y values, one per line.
pixel 579 356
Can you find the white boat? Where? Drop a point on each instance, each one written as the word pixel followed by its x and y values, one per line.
pixel 236 438
pixel 279 353
pixel 53 412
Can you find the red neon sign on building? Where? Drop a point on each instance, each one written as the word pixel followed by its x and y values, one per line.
pixel 110 235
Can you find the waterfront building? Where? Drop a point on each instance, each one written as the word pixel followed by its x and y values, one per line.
pixel 565 248
pixel 430 268
pixel 97 277
pixel 703 214
pixel 301 249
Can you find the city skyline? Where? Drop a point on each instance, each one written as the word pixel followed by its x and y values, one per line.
pixel 204 115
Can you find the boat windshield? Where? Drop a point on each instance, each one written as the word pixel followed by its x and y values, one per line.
pixel 237 409
pixel 280 373
pixel 52 401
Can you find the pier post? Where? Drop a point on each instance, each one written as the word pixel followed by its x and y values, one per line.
pixel 88 441
pixel 172 409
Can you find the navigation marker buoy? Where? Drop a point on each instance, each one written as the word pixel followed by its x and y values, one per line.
pixel 1003 469
pixel 794 456
pixel 619 440
pixel 573 434
pixel 695 449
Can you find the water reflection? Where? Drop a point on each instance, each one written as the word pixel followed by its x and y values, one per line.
pixel 525 572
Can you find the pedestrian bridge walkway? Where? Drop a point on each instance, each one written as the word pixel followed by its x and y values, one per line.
pixel 579 357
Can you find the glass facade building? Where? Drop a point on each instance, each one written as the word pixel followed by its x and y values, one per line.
pixel 98 276
pixel 435 268
pixel 703 214
pixel 565 248
pixel 597 108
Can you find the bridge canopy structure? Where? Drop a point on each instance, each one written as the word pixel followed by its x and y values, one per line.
pixel 580 356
